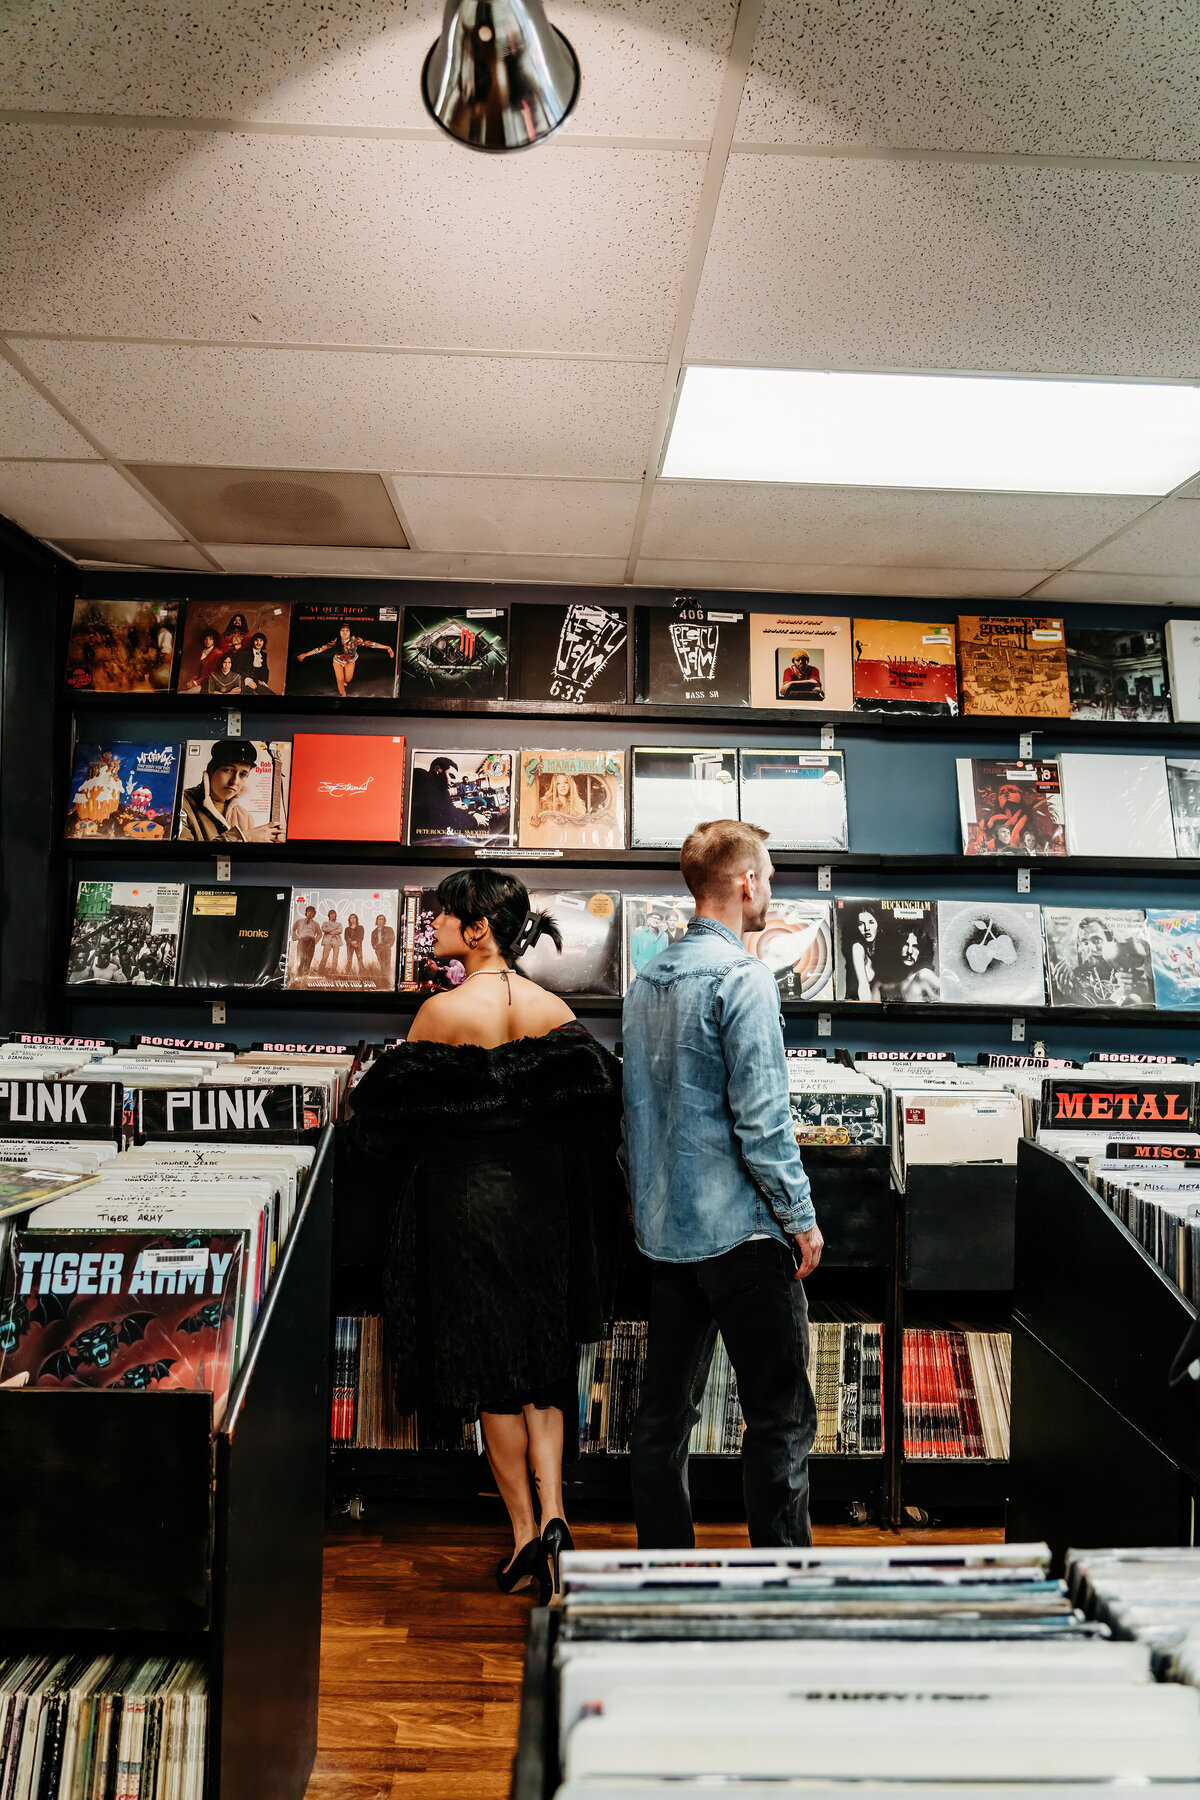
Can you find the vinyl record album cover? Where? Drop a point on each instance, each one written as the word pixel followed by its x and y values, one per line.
pixel 126 932
pixel 990 953
pixel 347 785
pixel 674 790
pixel 122 790
pixel 693 654
pixel 572 800
pixel 454 655
pixel 796 943
pixel 1183 785
pixel 1116 805
pixel 904 667
pixel 251 637
pixel 590 960
pixel 235 791
pixel 573 654
pixel 1013 667
pixel 1010 808
pixel 460 797
pixel 652 922
pixel 137 1311
pixel 342 647
pixel 800 662
pixel 235 935
pixel 799 796
pixel 1183 667
pixel 420 972
pixel 1117 674
pixel 1175 958
pixel 123 646
pixel 343 938
pixel 887 950
pixel 1097 956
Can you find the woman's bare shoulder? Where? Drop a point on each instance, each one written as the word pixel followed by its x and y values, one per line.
pixel 541 1007
pixel 434 1020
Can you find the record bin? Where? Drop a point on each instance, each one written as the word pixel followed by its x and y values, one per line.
pixel 134 1526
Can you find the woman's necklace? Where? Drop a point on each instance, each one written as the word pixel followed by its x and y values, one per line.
pixel 503 973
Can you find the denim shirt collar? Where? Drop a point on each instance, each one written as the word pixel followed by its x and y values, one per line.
pixel 715 925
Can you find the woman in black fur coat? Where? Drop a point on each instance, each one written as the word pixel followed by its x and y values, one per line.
pixel 494 1130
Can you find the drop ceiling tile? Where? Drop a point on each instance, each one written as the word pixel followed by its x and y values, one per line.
pixel 579 518
pixel 311 409
pixel 29 425
pixel 1122 590
pixel 839 578
pixel 273 559
pixel 650 67
pixel 60 499
pixel 1191 491
pixel 890 526
pixel 333 240
pixel 141 553
pixel 1164 541
pixel 843 263
pixel 1120 78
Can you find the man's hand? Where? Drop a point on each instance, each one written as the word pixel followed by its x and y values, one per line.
pixel 811 1245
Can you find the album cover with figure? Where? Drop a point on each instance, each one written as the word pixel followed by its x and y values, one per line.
pixel 1013 667
pixel 990 953
pixel 572 654
pixel 343 938
pixel 693 654
pixel 652 922
pixel 800 662
pixel 121 790
pixel 572 800
pixel 342 647
pixel 796 944
pixel 233 647
pixel 123 646
pixel 887 950
pixel 590 959
pixel 126 933
pixel 420 972
pixel 454 655
pixel 460 797
pixel 1118 674
pixel 902 666
pixel 1098 956
pixel 1175 958
pixel 1010 808
pixel 1183 784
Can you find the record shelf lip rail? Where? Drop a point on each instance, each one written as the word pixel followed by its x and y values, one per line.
pixel 139 1525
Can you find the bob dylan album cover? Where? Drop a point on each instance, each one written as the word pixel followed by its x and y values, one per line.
pixel 339 648
pixel 252 638
pixel 457 655
pixel 123 646
pixel 572 799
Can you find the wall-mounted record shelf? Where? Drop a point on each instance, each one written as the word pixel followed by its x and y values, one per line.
pixel 695 718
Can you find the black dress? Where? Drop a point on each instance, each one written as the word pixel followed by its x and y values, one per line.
pixel 487 1183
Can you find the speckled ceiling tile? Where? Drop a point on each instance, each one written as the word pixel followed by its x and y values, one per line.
pixel 29 425
pixel 1057 77
pixel 573 518
pixel 330 409
pixel 860 264
pixel 62 499
pixel 650 67
pixel 947 585
pixel 898 527
pixel 1166 541
pixel 165 234
pixel 1121 590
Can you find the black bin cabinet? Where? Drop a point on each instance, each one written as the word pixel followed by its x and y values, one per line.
pixel 129 1524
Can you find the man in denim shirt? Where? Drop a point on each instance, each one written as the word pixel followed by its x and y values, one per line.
pixel 720 1200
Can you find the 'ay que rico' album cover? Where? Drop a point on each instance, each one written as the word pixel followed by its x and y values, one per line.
pixel 123 791
pixel 342 647
pixel 454 655
pixel 123 646
pixel 233 648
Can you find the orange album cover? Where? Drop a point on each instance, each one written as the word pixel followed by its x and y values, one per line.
pixel 904 666
pixel 347 786
pixel 1013 667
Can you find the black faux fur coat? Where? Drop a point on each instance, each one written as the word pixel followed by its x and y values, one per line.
pixel 505 1205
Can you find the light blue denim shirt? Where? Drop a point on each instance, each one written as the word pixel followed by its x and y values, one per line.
pixel 709 1140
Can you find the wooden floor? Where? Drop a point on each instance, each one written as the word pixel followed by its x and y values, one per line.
pixel 421 1655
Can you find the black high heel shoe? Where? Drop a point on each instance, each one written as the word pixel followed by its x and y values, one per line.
pixel 525 1566
pixel 555 1539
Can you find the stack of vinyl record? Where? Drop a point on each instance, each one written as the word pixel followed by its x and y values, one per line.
pixel 1149 1594
pixel 957 1387
pixel 948 1664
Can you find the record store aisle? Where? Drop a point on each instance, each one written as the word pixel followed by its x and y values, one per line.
pixel 421 1658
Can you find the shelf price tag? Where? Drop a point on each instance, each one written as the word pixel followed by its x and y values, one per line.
pixel 1018 1031
pixel 233 723
pixel 827 737
pixel 824 877
pixel 218 1012
pixel 1023 880
pixel 824 1024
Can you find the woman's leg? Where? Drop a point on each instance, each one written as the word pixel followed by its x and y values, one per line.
pixel 507 1444
pixel 339 675
pixel 544 1428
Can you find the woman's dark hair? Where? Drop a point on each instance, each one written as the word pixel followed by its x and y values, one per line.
pixel 472 895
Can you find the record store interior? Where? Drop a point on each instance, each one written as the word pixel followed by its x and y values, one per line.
pixel 599 852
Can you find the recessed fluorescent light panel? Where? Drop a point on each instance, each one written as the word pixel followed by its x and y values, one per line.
pixel 976 432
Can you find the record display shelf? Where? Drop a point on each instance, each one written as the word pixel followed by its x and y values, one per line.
pixel 1104 1450
pixel 133 1526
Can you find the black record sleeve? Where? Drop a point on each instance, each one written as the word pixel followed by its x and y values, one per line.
pixel 693 654
pixel 571 654
pixel 234 936
pixel 323 661
pixel 454 655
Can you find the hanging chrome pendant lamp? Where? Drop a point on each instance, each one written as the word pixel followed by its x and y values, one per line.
pixel 500 77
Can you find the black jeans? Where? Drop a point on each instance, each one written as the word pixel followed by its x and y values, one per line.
pixel 750 1294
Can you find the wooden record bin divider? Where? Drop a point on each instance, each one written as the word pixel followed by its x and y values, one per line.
pixel 1104 1449
pixel 131 1526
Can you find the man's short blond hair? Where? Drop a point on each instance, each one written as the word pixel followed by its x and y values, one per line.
pixel 719 852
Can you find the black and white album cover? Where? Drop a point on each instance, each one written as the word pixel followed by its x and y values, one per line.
pixel 1183 782
pixel 990 953
pixel 235 936
pixel 590 959
pixel 460 797
pixel 573 654
pixel 692 654
pixel 1098 956
pixel 675 789
pixel 887 950
pixel 796 943
pixel 126 933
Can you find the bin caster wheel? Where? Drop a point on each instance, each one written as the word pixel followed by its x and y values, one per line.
pixel 356 1509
